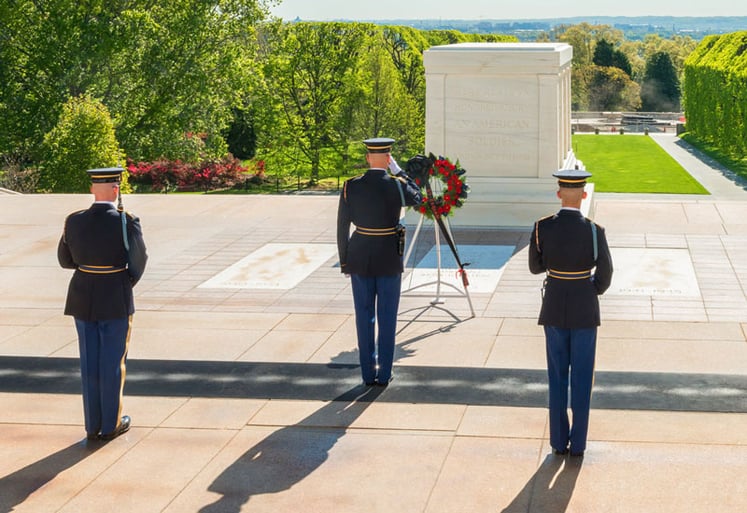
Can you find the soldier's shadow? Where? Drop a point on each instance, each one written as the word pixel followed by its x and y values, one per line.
pixel 550 489
pixel 16 487
pixel 290 454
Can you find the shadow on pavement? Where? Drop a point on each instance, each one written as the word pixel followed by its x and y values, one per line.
pixel 661 391
pixel 16 487
pixel 288 455
pixel 550 489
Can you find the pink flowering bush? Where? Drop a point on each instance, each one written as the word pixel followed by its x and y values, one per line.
pixel 167 175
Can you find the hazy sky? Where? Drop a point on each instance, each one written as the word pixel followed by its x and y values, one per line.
pixel 495 9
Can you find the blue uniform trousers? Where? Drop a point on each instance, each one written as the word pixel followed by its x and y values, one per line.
pixel 103 354
pixel 570 350
pixel 376 299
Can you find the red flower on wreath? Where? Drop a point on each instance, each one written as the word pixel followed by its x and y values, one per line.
pixel 445 197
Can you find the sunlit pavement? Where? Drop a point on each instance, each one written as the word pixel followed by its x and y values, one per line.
pixel 245 394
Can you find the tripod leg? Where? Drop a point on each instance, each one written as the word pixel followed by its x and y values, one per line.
pixel 412 242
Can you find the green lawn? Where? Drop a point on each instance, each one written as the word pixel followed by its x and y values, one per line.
pixel 632 163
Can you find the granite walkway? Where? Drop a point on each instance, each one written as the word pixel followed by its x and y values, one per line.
pixel 245 395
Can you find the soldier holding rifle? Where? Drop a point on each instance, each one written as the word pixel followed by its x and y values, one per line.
pixel 105 246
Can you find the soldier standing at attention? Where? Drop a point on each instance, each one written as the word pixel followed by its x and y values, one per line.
pixel 372 254
pixel 105 247
pixel 568 247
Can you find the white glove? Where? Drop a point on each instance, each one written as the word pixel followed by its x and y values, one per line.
pixel 394 167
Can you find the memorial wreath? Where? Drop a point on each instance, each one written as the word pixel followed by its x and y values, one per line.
pixel 453 190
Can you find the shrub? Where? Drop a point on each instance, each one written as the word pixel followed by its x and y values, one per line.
pixel 15 178
pixel 83 139
pixel 207 175
pixel 162 175
pixel 217 174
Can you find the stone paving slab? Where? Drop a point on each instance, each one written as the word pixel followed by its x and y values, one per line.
pixel 249 399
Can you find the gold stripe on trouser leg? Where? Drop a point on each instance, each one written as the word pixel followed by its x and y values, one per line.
pixel 123 368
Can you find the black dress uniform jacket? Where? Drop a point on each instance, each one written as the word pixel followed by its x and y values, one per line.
pixel 372 201
pixel 93 238
pixel 564 242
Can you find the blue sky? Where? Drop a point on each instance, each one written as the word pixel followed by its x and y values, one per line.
pixel 494 9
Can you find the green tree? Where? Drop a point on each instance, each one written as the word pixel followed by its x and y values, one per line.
pixel 241 136
pixel 584 37
pixel 660 89
pixel 610 88
pixel 605 54
pixel 677 47
pixel 405 46
pixel 82 139
pixel 386 109
pixel 594 48
pixel 310 72
pixel 163 68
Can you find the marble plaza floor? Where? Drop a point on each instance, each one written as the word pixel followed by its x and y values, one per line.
pixel 245 395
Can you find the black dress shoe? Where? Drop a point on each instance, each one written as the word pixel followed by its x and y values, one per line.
pixel 369 383
pixel 559 452
pixel 384 383
pixel 124 427
pixel 92 436
pixel 579 454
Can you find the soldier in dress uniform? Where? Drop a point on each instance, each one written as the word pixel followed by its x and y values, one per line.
pixel 572 250
pixel 105 246
pixel 372 255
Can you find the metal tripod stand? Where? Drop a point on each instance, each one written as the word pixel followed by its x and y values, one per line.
pixel 438 282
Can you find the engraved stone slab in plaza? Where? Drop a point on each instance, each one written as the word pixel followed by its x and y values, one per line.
pixel 653 272
pixel 273 266
pixel 504 111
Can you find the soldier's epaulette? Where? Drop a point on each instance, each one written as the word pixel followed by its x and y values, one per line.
pixel 536 230
pixel 545 218
pixel 130 215
pixel 399 178
pixel 345 186
pixel 592 221
pixel 75 213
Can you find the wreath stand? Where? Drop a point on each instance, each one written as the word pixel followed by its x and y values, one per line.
pixel 438 282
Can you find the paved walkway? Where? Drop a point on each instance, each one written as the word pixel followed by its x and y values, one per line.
pixel 249 399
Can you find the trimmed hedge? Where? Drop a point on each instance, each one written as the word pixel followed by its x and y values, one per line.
pixel 715 92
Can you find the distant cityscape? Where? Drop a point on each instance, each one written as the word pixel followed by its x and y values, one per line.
pixel 634 28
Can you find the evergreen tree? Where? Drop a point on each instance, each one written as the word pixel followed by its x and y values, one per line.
pixel 660 89
pixel 621 61
pixel 604 54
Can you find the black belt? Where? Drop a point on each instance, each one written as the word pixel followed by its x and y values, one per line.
pixel 569 275
pixel 376 231
pixel 101 269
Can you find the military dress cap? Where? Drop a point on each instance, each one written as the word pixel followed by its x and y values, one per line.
pixel 106 175
pixel 571 177
pixel 379 144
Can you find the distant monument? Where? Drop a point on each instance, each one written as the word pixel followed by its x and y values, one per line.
pixel 504 111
